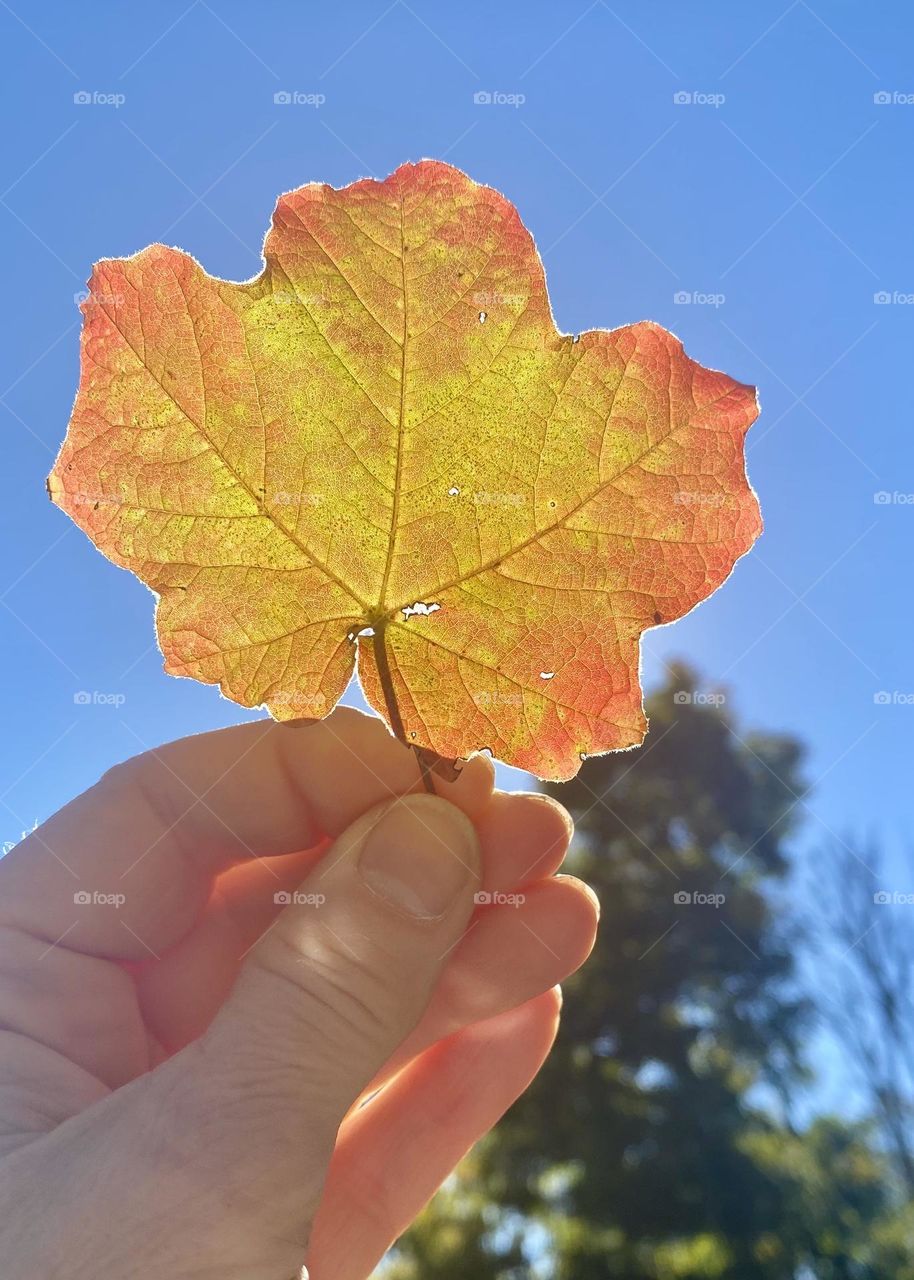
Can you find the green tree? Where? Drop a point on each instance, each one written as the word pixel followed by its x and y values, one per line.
pixel 628 1158
pixel 659 1141
pixel 842 1217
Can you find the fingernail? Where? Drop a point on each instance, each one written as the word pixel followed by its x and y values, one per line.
pixel 420 855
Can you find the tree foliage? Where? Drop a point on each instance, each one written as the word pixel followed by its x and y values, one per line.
pixel 654 1146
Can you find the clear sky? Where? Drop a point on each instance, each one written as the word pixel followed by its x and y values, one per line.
pixel 778 199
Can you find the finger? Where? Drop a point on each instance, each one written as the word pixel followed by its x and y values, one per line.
pixel 525 836
pixel 520 835
pixel 510 955
pixel 155 831
pixel 392 1155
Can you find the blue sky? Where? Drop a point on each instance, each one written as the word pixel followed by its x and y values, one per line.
pixel 778 199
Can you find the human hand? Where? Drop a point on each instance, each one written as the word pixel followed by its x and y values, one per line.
pixel 181 1055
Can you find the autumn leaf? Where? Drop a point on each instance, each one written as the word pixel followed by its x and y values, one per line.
pixel 380 450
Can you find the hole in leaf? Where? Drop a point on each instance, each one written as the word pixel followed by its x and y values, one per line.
pixel 365 631
pixel 483 317
pixel 420 607
pixel 576 338
pixel 453 492
pixel 546 675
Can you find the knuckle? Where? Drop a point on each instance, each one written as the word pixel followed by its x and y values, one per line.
pixel 328 987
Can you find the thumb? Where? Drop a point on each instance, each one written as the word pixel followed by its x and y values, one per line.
pixel 227 1143
pixel 347 969
pixel 327 995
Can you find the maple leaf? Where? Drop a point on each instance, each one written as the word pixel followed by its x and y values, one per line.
pixel 382 450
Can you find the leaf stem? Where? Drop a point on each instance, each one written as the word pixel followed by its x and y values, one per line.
pixel 385 675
